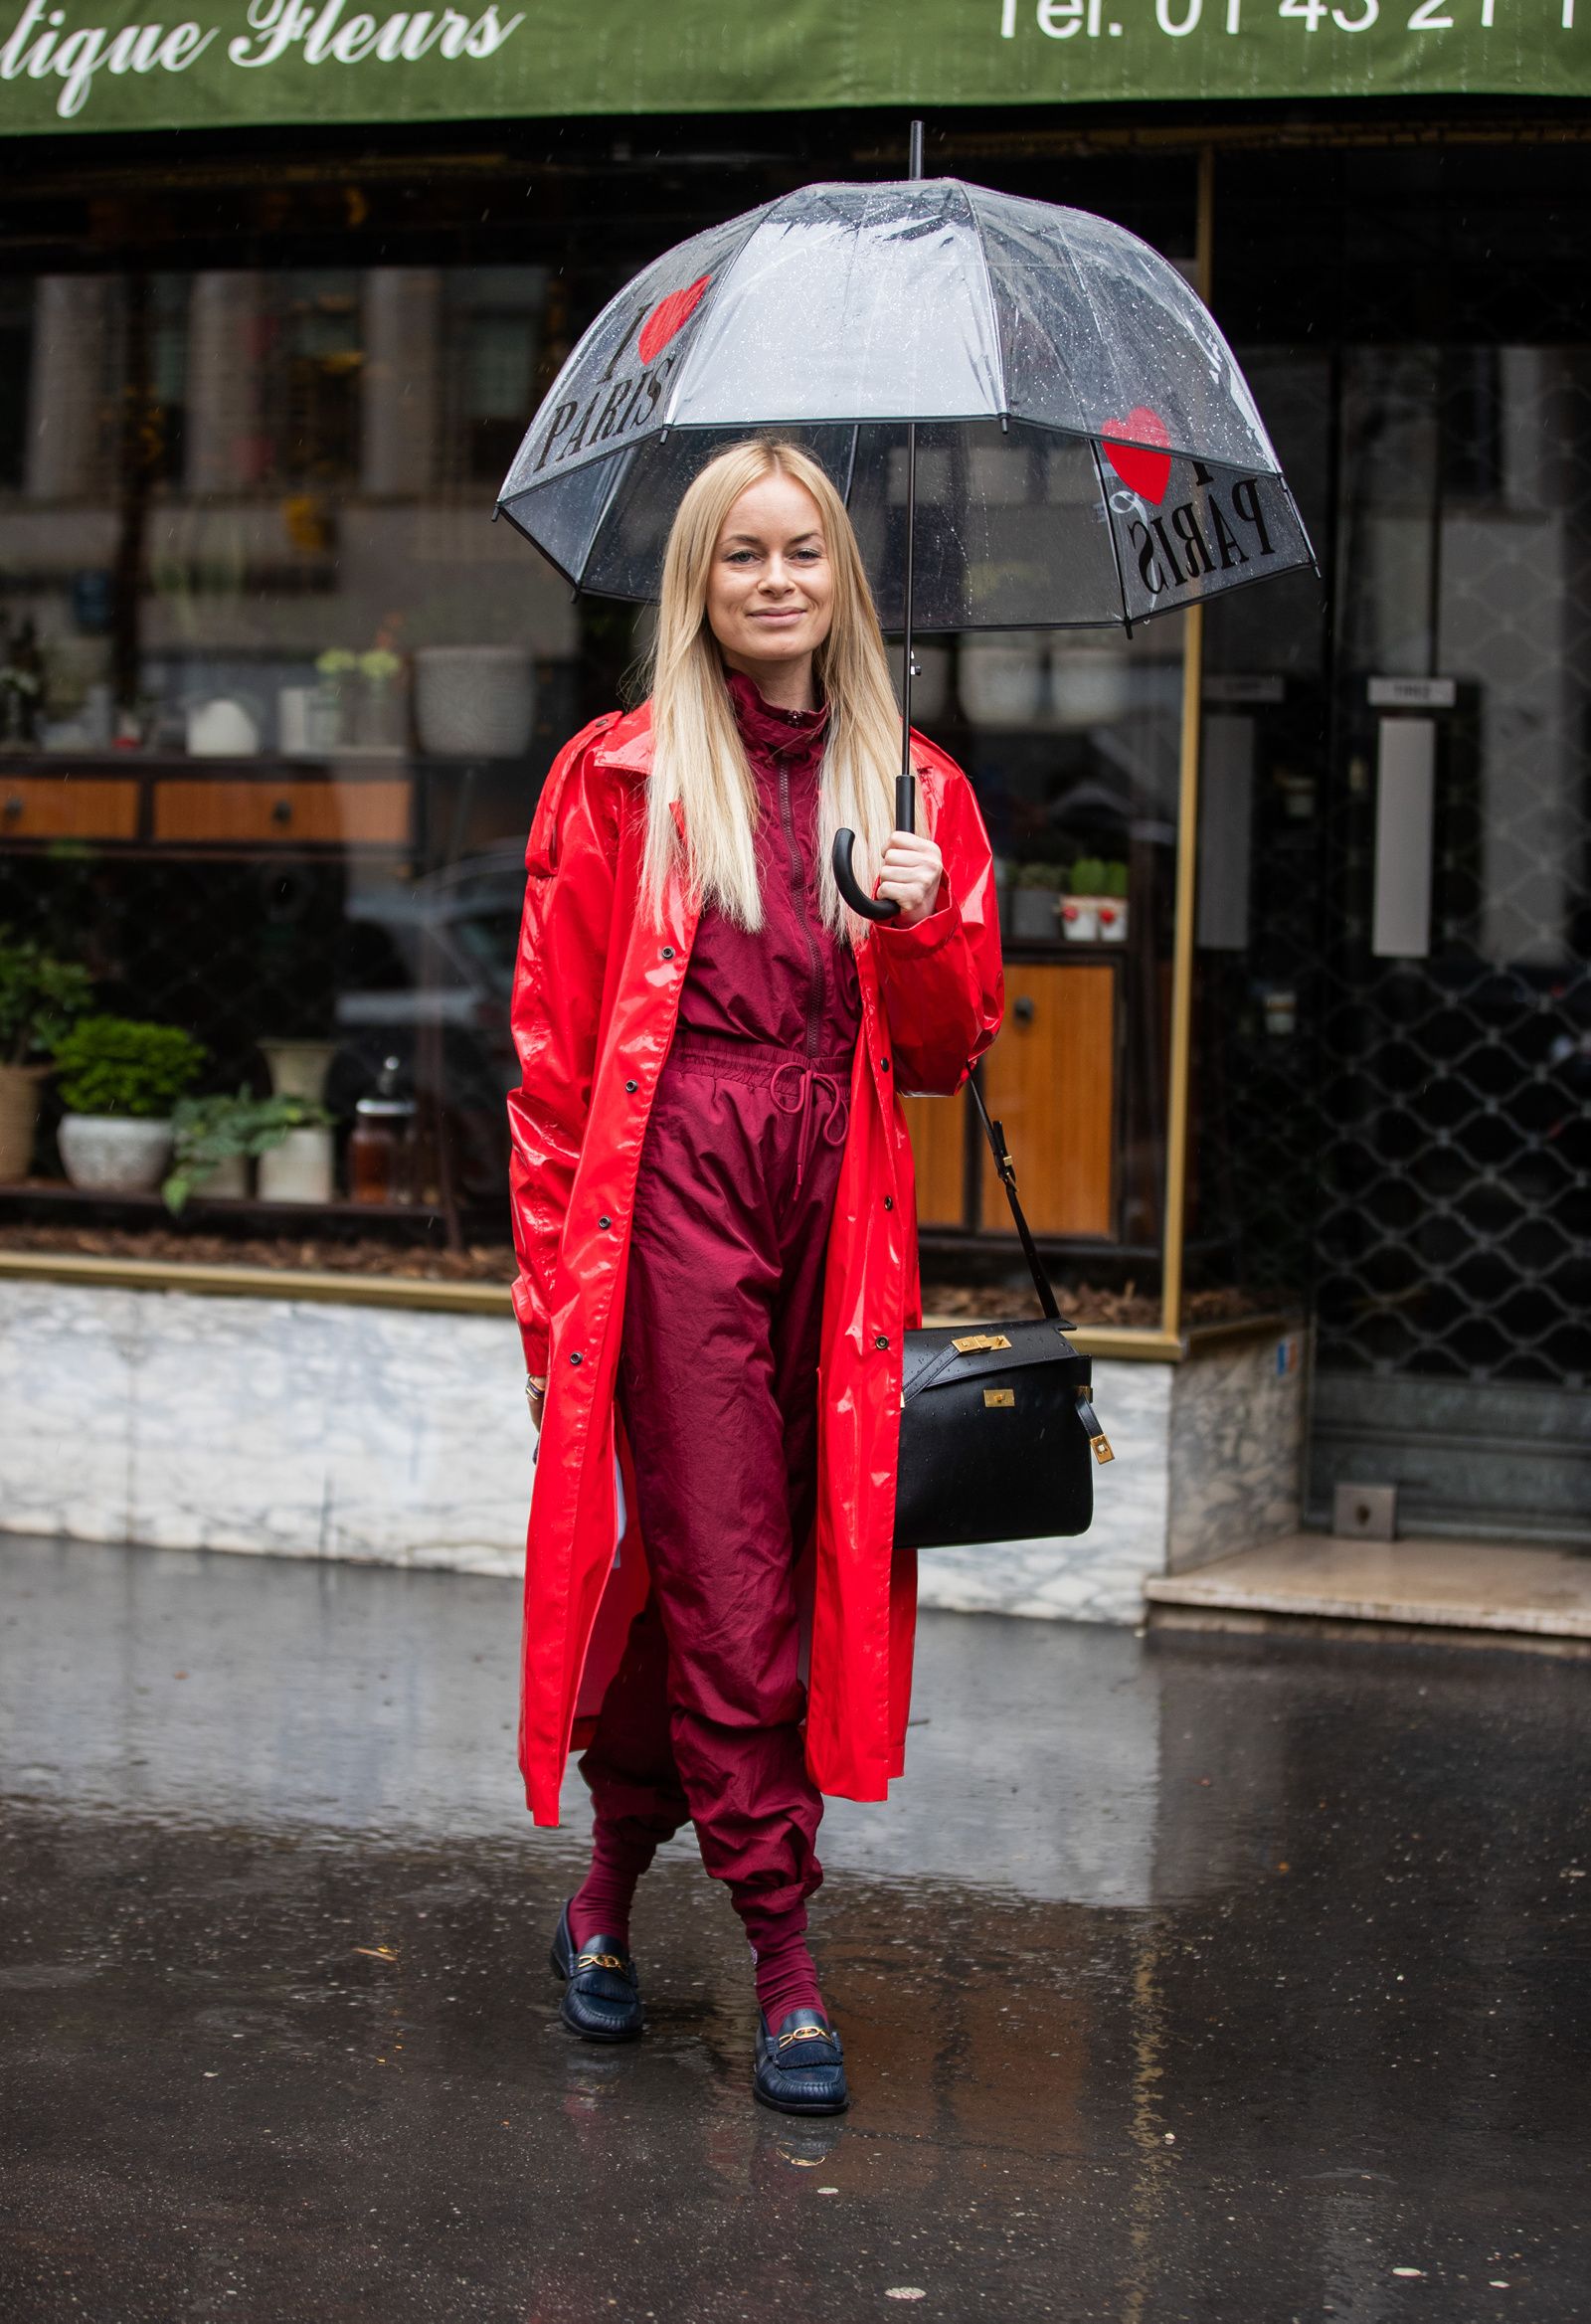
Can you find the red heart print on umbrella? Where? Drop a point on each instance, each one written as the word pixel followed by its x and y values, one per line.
pixel 1139 470
pixel 669 316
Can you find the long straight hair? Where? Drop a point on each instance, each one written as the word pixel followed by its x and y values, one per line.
pixel 698 759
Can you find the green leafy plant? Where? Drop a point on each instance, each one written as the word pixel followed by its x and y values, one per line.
pixel 120 1065
pixel 1115 883
pixel 40 997
pixel 1040 875
pixel 1086 876
pixel 214 1130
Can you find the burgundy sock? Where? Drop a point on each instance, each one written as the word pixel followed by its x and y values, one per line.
pixel 787 1978
pixel 601 1905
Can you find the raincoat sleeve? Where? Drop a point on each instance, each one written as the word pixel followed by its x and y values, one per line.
pixel 940 981
pixel 555 1011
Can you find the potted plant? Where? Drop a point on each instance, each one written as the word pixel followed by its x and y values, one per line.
pixel 216 1138
pixel 1080 912
pixel 119 1080
pixel 335 669
pixel 1035 899
pixel 39 996
pixel 1094 911
pixel 1113 904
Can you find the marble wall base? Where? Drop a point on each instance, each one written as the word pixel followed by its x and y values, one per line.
pixel 304 1429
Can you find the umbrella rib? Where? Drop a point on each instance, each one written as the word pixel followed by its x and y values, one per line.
pixel 989 288
pixel 1115 552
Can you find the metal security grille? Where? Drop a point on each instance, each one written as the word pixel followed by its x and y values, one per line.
pixel 1456 1087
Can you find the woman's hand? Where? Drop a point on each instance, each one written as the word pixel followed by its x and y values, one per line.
pixel 536 1399
pixel 911 873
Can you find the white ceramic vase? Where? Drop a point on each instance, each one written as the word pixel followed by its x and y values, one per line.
pixel 299 1169
pixel 1005 678
pixel 298 1069
pixel 112 1153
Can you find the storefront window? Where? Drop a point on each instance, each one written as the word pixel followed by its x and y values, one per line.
pixel 1072 742
pixel 279 697
pixel 298 694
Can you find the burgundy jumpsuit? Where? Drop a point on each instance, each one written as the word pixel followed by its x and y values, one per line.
pixel 717 1372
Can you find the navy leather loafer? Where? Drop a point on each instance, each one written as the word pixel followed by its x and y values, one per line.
pixel 800 2070
pixel 601 1995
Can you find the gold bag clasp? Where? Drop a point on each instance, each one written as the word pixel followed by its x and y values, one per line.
pixel 979 1343
pixel 999 1396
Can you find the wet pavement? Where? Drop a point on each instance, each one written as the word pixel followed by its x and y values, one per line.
pixel 1230 1979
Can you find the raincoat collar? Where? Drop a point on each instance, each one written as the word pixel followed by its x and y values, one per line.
pixel 628 744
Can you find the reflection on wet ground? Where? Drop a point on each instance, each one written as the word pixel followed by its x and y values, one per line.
pixel 1236 1980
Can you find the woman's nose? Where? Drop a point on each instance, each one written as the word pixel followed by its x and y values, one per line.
pixel 776 580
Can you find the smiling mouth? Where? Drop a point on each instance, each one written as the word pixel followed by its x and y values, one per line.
pixel 780 613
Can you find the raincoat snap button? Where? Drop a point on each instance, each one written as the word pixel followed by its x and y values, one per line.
pixel 605 1225
pixel 668 952
pixel 575 1358
pixel 632 1087
pixel 879 1341
pixel 883 1065
pixel 889 1203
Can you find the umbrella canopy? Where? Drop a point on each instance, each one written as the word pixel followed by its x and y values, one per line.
pixel 1086 453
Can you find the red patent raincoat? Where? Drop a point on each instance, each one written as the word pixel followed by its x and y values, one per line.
pixel 596 988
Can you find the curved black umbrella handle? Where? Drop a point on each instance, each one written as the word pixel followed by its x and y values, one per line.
pixel 850 887
pixel 846 879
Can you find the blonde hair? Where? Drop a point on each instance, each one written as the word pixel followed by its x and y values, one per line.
pixel 698 759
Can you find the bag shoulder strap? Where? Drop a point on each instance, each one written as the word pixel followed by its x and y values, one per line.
pixel 995 1133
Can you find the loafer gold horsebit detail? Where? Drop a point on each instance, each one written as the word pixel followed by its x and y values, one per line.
pixel 804 2033
pixel 598 1961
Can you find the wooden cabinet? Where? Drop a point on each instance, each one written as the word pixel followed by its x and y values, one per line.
pixel 371 814
pixel 937 1128
pixel 246 805
pixel 1051 1079
pixel 57 806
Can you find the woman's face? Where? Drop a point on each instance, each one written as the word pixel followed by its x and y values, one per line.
pixel 771 591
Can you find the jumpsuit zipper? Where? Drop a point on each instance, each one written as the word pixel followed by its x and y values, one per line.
pixel 814 978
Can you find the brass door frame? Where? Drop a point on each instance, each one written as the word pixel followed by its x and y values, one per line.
pixel 1179 1086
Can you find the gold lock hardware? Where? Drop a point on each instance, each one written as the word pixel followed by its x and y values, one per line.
pixel 1102 1448
pixel 998 1396
pixel 979 1343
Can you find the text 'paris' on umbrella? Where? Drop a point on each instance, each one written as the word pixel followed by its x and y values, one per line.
pixel 1032 419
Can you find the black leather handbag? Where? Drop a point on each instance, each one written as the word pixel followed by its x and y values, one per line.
pixel 996 1426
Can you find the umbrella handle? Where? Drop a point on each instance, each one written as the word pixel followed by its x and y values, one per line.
pixel 849 886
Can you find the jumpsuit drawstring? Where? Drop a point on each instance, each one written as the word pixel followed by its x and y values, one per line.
pixel 809 1080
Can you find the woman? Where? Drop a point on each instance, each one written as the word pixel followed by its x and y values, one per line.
pixel 713 1211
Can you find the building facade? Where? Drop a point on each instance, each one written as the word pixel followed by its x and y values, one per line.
pixel 1295 897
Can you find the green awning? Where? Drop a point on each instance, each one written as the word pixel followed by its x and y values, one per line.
pixel 114 64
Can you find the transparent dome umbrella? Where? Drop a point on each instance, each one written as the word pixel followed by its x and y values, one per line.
pixel 1032 419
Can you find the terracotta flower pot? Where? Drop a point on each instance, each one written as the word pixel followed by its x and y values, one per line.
pixel 19 1117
